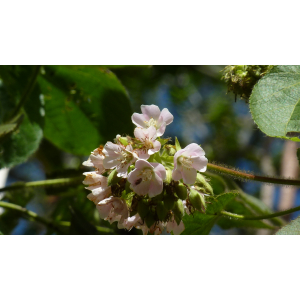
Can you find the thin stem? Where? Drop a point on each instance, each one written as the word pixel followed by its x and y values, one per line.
pixel 30 214
pixel 263 217
pixel 42 183
pixel 242 175
pixel 28 90
pixel 35 217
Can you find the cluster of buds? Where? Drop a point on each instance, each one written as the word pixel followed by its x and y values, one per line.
pixel 145 183
pixel 241 79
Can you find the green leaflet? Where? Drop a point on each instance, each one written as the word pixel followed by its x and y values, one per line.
pixel 200 223
pixel 293 228
pixel 275 103
pixel 87 105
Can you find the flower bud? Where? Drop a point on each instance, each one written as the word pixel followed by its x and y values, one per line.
pixel 123 140
pixel 170 150
pixel 201 182
pixel 169 201
pixel 161 210
pixel 178 210
pixel 168 176
pixel 197 199
pixel 181 191
pixel 149 219
pixel 113 178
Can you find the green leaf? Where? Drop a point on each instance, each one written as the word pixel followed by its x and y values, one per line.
pixel 21 136
pixel 177 145
pixel 198 223
pixel 298 155
pixel 87 106
pixel 293 228
pixel 275 103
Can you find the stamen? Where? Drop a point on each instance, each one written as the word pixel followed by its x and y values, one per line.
pixel 185 161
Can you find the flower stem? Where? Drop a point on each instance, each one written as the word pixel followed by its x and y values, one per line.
pixel 245 176
pixel 263 217
pixel 42 183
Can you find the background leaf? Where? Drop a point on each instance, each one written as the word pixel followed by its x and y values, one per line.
pixel 292 228
pixel 275 103
pixel 87 105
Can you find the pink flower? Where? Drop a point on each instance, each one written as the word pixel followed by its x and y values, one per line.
pixel 148 138
pixel 152 116
pixel 113 209
pixel 119 157
pixel 172 226
pixel 147 178
pixel 96 160
pixel 187 161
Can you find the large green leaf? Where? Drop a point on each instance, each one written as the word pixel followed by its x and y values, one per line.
pixel 200 223
pixel 85 106
pixel 21 134
pixel 275 103
pixel 292 228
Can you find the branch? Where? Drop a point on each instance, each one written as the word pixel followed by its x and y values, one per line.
pixel 51 224
pixel 42 183
pixel 245 176
pixel 263 217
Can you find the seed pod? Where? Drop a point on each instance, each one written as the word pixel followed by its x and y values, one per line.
pixel 143 208
pixel 197 199
pixel 161 210
pixel 181 191
pixel 201 182
pixel 178 211
pixel 113 178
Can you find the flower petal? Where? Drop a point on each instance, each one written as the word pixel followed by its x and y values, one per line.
pixel 199 163
pixel 159 170
pixel 189 175
pixel 156 147
pixel 166 116
pixel 194 149
pixel 141 164
pixel 139 120
pixel 141 187
pixel 151 111
pixel 176 174
pixel 156 186
pixel 151 133
pixel 161 130
pixel 139 133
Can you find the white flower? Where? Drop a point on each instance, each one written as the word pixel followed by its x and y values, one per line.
pixel 119 157
pixel 173 226
pixel 148 138
pixel 147 178
pixel 96 160
pixel 113 209
pixel 98 185
pixel 152 116
pixel 187 161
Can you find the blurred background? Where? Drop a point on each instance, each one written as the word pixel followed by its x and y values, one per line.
pixel 203 113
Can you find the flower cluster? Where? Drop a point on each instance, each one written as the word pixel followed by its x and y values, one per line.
pixel 144 182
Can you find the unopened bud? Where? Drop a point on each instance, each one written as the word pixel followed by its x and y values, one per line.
pixel 143 208
pixel 197 199
pixel 113 178
pixel 161 210
pixel 170 150
pixel 202 183
pixel 123 140
pixel 178 211
pixel 169 201
pixel 181 191
pixel 168 176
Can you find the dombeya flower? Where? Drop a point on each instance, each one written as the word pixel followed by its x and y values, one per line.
pixel 113 209
pixel 148 138
pixel 147 178
pixel 119 157
pixel 187 161
pixel 152 116
pixel 96 160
